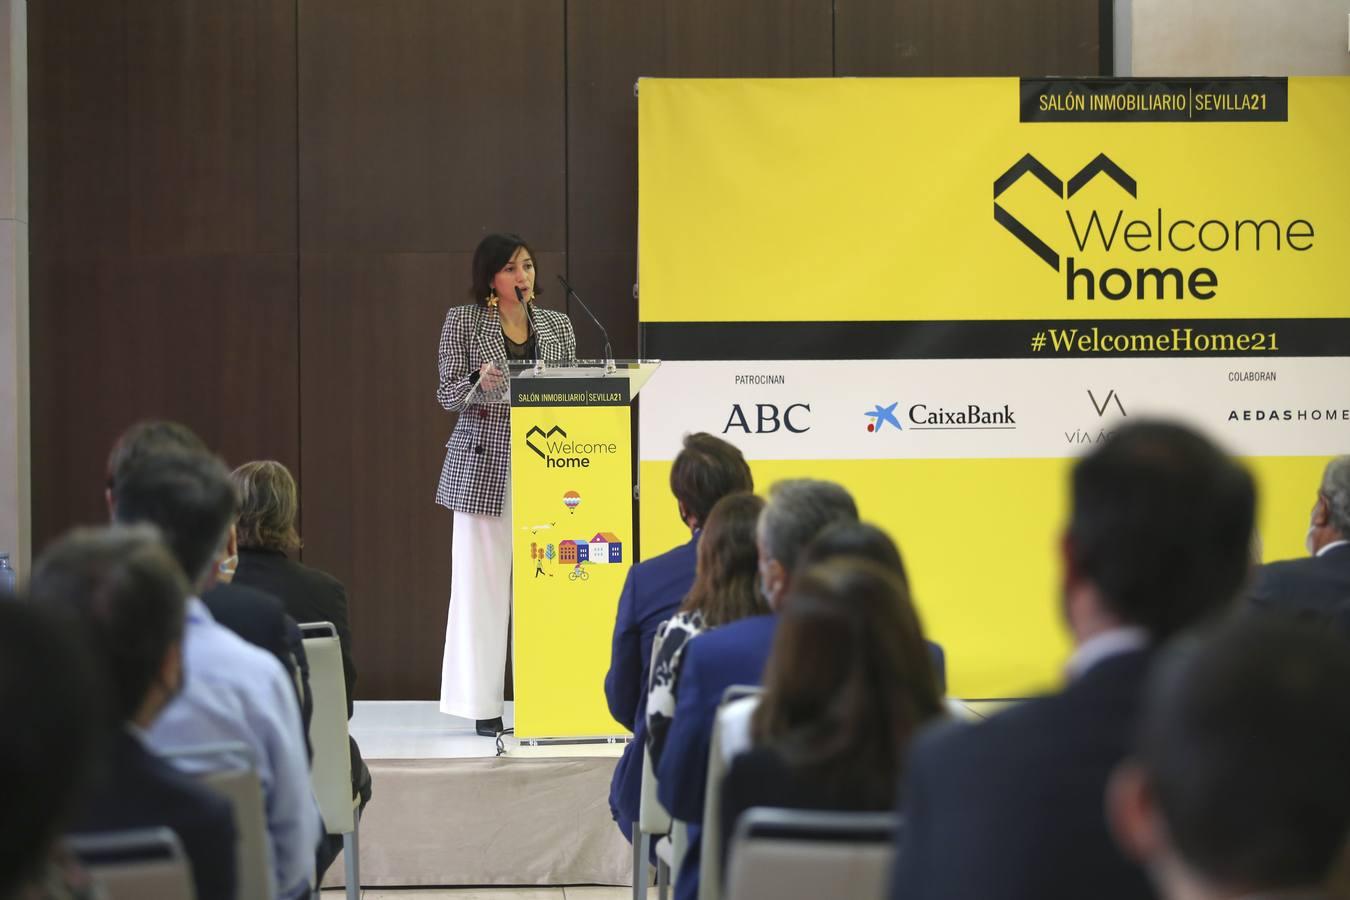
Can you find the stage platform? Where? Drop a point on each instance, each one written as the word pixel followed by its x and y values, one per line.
pixel 447 810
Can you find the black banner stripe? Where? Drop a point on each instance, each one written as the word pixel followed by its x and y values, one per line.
pixel 995 339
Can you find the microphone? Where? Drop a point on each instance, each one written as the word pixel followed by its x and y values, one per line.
pixel 609 351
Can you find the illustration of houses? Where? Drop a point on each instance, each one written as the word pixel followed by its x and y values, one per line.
pixel 606 547
pixel 570 553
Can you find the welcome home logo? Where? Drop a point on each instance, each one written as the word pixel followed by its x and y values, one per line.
pixel 1119 231
pixel 558 452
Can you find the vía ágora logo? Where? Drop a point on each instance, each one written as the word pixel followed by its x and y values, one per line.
pixel 1130 239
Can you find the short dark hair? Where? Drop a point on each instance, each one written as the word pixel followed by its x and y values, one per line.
pixel 491 256
pixel 128 593
pixel 706 470
pixel 724 587
pixel 188 497
pixel 857 539
pixel 1244 739
pixel 149 438
pixel 848 682
pixel 50 703
pixel 1161 523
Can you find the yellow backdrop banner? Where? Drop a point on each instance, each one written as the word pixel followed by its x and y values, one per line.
pixel 939 292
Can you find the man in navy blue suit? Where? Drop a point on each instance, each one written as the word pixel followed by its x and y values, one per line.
pixel 705 471
pixel 735 654
pixel 1013 809
pixel 127 596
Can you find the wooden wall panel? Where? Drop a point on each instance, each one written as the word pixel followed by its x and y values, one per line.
pixel 163 252
pixel 610 44
pixel 966 37
pixel 372 446
pixel 209 342
pixel 426 124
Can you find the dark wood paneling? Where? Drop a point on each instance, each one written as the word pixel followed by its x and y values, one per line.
pixel 966 37
pixel 373 442
pixel 426 124
pixel 605 282
pixel 163 128
pixel 77 117
pixel 208 341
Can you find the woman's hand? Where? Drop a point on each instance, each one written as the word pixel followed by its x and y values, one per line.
pixel 489 376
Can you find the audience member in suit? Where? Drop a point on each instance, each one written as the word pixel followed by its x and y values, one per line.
pixel 268 504
pixel 863 539
pixel 128 596
pixel 794 514
pixel 51 705
pixel 1239 786
pixel 232 691
pixel 848 684
pixel 1316 587
pixel 724 591
pixel 260 620
pixel 706 470
pixel 1011 809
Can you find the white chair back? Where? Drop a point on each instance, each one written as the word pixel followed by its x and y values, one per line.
pixel 790 854
pixel 710 841
pixel 331 771
pixel 135 865
pixel 230 770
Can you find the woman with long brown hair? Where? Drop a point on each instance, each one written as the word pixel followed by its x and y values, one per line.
pixel 848 684
pixel 724 590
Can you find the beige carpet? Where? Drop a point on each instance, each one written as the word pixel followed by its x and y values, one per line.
pixel 503 821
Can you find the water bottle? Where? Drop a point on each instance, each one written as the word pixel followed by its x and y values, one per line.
pixel 8 577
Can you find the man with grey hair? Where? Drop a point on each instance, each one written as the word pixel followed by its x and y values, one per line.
pixel 1317 587
pixel 734 654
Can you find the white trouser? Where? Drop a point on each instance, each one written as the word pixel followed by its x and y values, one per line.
pixel 480 609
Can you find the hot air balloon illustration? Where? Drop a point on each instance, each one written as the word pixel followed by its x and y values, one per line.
pixel 571 500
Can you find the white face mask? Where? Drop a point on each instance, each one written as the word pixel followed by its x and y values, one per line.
pixel 1308 541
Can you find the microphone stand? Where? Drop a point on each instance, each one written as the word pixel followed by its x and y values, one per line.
pixel 610 368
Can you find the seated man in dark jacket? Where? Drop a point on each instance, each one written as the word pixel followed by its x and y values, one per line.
pixel 705 471
pixel 127 595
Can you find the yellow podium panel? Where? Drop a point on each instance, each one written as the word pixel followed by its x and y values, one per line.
pixel 572 521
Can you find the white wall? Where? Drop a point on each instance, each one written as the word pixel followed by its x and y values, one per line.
pixel 15 499
pixel 1232 37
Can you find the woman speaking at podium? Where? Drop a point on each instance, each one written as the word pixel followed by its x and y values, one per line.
pixel 478 340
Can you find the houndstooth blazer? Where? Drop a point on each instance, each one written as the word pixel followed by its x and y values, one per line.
pixel 478 454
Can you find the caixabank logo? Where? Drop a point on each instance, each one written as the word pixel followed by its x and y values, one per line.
pixel 1131 239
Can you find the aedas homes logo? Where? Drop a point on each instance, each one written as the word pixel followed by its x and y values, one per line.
pixel 1120 231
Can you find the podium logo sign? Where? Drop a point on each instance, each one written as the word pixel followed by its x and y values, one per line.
pixel 559 452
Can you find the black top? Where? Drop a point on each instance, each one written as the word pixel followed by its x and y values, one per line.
pixel 761 777
pixel 309 596
pixel 525 350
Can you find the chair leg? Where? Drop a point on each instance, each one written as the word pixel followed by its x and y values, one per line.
pixel 351 855
pixel 640 862
pixel 662 880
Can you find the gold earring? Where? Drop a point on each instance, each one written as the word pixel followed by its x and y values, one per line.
pixel 492 298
